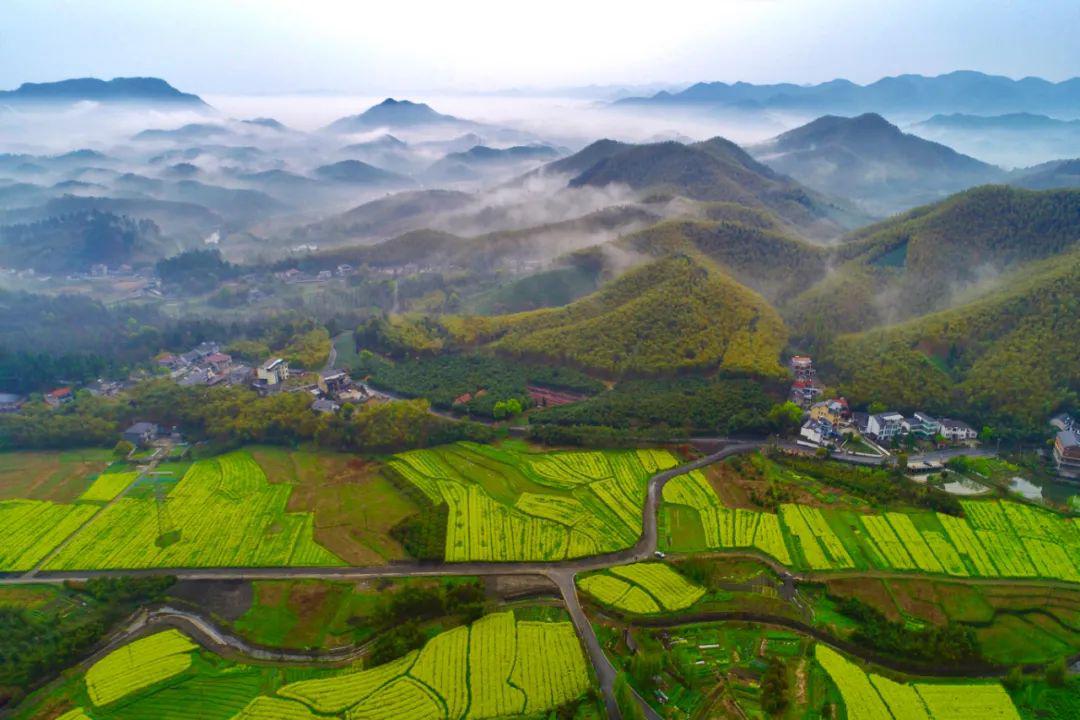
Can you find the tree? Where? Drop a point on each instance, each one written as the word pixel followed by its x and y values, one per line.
pixel 785 417
pixel 1056 673
pixel 774 687
pixel 902 460
pixel 1015 679
pixel 499 411
pixel 123 448
pixel 513 407
pixel 876 407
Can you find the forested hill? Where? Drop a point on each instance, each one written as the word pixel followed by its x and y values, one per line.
pixel 765 258
pixel 871 161
pixel 1009 358
pixel 669 315
pixel 715 170
pixel 934 257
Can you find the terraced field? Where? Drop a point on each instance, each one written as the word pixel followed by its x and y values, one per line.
pixel 507 503
pixel 497 667
pixel 871 697
pixel 994 539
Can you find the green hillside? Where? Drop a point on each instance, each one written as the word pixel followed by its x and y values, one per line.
pixel 934 257
pixel 672 314
pixel 765 258
pixel 1009 358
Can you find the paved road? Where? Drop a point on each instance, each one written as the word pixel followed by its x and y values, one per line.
pixel 209 635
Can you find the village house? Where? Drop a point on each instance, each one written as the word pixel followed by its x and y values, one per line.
pixel 885 426
pixel 1067 448
pixel 332 382
pixel 835 411
pixel 921 424
pixel 957 430
pixel 805 389
pixel 323 405
pixel 9 402
pixel 59 396
pixel 141 434
pixel 819 432
pixel 218 361
pixel 272 373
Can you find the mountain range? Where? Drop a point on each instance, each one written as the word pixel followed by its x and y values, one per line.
pixel 962 91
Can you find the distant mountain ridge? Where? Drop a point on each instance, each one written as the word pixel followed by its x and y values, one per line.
pixel 873 162
pixel 146 90
pixel 963 91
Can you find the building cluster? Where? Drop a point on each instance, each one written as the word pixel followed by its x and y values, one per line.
pixel 205 364
pixel 805 389
pixel 294 276
pixel 827 421
pixel 1067 446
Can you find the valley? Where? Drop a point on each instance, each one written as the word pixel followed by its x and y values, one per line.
pixel 366 363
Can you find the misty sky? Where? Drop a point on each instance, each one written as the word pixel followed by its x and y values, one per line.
pixel 268 46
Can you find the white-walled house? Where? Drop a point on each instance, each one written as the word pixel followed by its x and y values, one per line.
pixel 957 430
pixel 885 426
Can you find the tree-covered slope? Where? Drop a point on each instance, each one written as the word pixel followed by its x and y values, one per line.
pixel 1008 358
pixel 670 315
pixel 934 257
pixel 767 259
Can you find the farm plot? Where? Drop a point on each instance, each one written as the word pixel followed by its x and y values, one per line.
pixel 994 539
pixel 872 696
pixel 723 527
pixel 138 665
pixel 108 485
pixel 31 529
pixel 497 667
pixel 642 588
pixel 222 513
pixel 506 503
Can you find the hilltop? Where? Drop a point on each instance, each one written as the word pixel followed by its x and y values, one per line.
pixel 129 90
pixel 715 170
pixel 391 113
pixel 872 162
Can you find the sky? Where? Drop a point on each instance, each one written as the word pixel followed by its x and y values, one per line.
pixel 403 46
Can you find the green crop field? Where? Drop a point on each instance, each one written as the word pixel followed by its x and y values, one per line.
pixel 642 588
pixel 871 697
pixel 223 512
pixel 508 503
pixel 496 667
pixel 137 665
pixel 994 539
pixel 108 485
